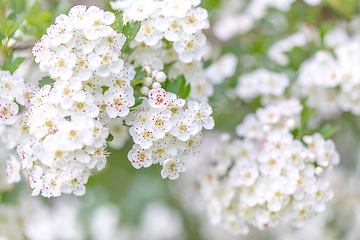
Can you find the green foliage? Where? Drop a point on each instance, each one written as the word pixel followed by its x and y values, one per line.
pixel 130 29
pixel 45 81
pixel 345 8
pixel 328 130
pixel 139 77
pixel 110 138
pixel 8 27
pixel 138 101
pixel 118 23
pixel 207 63
pixel 210 5
pixel 39 19
pixel 177 86
pixel 11 64
pixel 304 129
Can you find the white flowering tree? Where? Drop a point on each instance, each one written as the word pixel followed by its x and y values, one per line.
pixel 103 104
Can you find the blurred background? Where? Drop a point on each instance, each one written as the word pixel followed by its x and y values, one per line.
pixel 124 203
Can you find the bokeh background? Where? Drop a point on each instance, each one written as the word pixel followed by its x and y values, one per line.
pixel 124 203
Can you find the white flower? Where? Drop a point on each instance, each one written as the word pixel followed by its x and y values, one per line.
pixel 142 135
pixel 174 29
pixel 273 83
pixel 319 194
pixel 105 61
pixel 8 111
pixel 11 86
pixel 159 123
pixel 13 167
pixel 61 63
pixel 201 112
pixel 78 16
pixel 189 47
pixel 158 98
pixel 243 173
pixel 221 69
pixel 271 163
pixel 148 33
pixel 194 20
pixel 61 32
pixel 277 193
pixel 175 104
pixel 97 23
pixel 176 8
pixel 74 179
pixel 183 127
pixel 119 100
pixel 172 168
pixel 139 157
pixel 35 180
pixel 162 150
pixel 52 184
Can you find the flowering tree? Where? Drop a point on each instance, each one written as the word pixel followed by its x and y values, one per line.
pixel 90 94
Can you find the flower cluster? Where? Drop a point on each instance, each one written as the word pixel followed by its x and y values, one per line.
pixel 261 82
pixel 170 35
pixel 238 18
pixel 67 136
pixel 179 22
pixel 223 68
pixel 267 176
pixel 165 133
pixel 332 83
pixel 13 93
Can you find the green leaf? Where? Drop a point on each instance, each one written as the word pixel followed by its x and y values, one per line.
pixel 178 86
pixel 207 63
pixel 295 132
pixel 210 5
pixel 45 81
pixel 137 102
pixel 139 76
pixel 118 23
pixel 110 138
pixel 130 31
pixel 11 64
pixel 39 19
pixel 306 114
pixel 5 25
pixel 167 66
pixel 345 8
pixel 328 130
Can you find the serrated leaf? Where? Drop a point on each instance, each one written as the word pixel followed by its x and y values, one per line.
pixel 130 31
pixel 328 130
pixel 45 81
pixel 110 138
pixel 118 23
pixel 11 64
